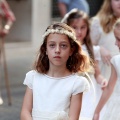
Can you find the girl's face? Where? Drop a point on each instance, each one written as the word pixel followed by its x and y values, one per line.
pixel 116 7
pixel 80 28
pixel 117 36
pixel 58 49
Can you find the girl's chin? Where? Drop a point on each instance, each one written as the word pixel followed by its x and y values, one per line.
pixel 79 39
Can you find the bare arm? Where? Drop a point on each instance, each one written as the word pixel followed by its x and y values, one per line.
pixel 27 105
pixel 62 8
pixel 106 93
pixel 105 55
pixel 75 106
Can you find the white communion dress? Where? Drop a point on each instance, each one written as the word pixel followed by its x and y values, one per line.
pixel 107 40
pixel 113 105
pixel 51 95
pixel 90 98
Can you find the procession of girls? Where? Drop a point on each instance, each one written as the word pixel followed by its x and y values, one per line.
pixel 59 95
pixel 102 36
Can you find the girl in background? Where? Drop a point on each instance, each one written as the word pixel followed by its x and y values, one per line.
pixel 102 35
pixel 113 106
pixel 80 22
pixel 54 91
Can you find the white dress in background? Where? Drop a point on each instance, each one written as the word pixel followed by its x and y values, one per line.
pixel 113 105
pixel 90 98
pixel 51 96
pixel 107 40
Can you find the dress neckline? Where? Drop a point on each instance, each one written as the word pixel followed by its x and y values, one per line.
pixel 58 78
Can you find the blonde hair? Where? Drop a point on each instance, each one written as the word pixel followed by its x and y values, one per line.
pixel 117 24
pixel 107 17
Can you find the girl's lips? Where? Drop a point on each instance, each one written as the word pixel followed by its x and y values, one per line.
pixel 57 57
pixel 79 36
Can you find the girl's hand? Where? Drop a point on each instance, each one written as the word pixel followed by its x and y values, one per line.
pixel 96 117
pixel 104 84
pixel 105 55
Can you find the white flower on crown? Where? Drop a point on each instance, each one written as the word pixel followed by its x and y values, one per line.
pixel 62 31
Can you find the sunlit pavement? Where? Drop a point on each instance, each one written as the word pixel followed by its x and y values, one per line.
pixel 20 57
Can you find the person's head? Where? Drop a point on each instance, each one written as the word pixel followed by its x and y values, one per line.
pixel 60 48
pixel 117 32
pixel 79 21
pixel 108 13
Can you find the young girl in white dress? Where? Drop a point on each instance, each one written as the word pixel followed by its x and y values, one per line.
pixel 102 35
pixel 80 22
pixel 113 105
pixel 54 90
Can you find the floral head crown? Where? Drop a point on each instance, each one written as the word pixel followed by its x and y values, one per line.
pixel 60 31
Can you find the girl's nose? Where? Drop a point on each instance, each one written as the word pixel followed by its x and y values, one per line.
pixel 79 30
pixel 57 50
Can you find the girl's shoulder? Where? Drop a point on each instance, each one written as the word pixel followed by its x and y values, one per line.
pixel 32 73
pixel 81 84
pixel 95 20
pixel 95 23
pixel 29 78
pixel 115 58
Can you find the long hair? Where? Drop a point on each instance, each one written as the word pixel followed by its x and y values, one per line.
pixel 117 24
pixel 77 62
pixel 106 16
pixel 87 41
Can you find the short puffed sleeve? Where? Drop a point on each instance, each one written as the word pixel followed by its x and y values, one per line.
pixel 80 85
pixel 95 30
pixel 29 79
pixel 96 50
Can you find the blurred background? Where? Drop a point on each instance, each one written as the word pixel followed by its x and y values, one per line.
pixel 22 43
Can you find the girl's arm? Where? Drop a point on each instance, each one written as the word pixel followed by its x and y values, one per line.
pixel 75 106
pixel 106 93
pixel 27 105
pixel 99 78
pixel 105 55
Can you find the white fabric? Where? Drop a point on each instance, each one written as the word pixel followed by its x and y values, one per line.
pixel 96 50
pixel 90 97
pixel 53 94
pixel 107 40
pixel 37 115
pixel 113 106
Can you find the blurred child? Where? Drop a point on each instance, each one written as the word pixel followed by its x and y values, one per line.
pixel 80 22
pixel 113 106
pixel 54 91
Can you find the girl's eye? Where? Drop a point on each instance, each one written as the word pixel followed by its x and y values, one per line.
pixel 63 46
pixel 74 27
pixel 52 45
pixel 83 27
